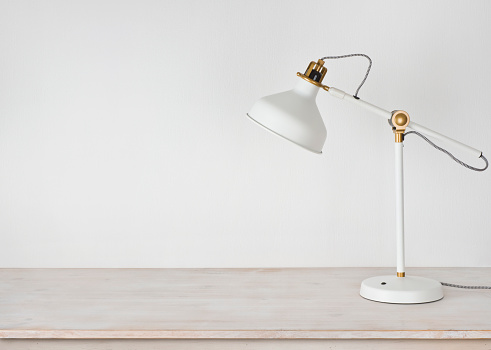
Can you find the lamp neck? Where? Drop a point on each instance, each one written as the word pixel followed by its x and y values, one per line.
pixel 306 89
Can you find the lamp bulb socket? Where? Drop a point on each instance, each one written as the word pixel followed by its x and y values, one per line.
pixel 316 71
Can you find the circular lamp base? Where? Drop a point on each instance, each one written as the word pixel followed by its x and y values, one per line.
pixel 401 290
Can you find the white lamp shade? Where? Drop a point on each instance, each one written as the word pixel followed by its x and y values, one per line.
pixel 293 115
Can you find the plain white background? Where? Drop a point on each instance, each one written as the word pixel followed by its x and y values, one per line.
pixel 124 140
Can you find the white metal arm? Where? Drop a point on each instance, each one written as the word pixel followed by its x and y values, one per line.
pixel 412 125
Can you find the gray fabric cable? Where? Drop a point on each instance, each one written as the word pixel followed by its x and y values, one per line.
pixel 450 154
pixel 354 55
pixel 468 167
pixel 465 287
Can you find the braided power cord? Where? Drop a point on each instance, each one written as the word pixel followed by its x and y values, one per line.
pixel 468 167
pixel 409 132
pixel 466 287
pixel 450 154
pixel 353 55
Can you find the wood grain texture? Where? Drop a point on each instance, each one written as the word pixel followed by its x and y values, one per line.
pixel 316 303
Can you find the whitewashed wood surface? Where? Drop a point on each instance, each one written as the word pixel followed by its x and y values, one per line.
pixel 300 303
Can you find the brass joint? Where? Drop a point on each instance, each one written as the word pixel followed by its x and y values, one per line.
pixel 399 122
pixel 401 274
pixel 315 73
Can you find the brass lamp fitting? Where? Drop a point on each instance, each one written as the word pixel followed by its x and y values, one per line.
pixel 315 73
pixel 399 122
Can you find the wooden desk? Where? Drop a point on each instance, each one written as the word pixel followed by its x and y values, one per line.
pixel 304 308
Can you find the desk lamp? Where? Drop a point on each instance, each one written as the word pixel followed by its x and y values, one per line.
pixel 294 115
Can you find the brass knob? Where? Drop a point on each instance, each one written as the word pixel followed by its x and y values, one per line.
pixel 400 119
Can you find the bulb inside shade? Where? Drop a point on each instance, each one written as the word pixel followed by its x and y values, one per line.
pixel 293 115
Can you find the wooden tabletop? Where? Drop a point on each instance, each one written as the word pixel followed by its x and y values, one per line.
pixel 299 303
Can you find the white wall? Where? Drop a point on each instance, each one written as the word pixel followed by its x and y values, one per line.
pixel 124 140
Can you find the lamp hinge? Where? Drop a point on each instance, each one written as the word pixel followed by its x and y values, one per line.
pixel 399 121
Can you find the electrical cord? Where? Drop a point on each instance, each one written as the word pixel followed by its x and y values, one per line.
pixel 450 154
pixel 353 55
pixel 466 287
pixel 468 167
pixel 409 132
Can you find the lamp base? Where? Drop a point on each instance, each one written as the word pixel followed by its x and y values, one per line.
pixel 401 290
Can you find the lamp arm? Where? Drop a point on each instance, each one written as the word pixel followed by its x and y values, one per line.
pixel 412 125
pixel 344 96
